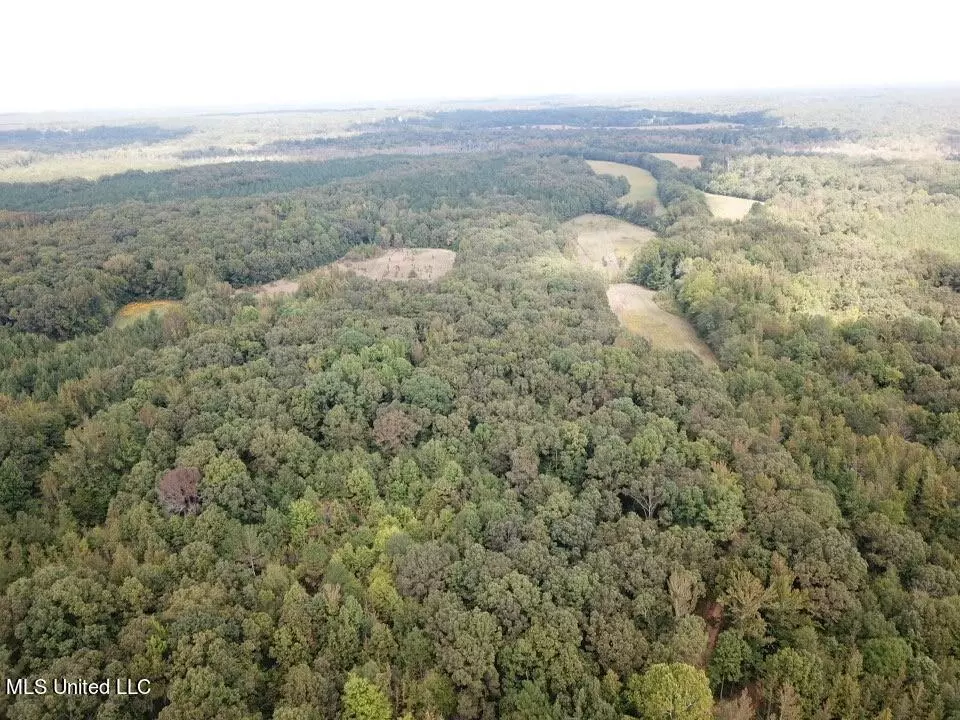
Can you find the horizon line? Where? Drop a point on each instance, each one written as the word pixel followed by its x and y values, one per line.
pixel 256 108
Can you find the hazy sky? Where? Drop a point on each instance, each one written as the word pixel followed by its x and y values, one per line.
pixel 107 54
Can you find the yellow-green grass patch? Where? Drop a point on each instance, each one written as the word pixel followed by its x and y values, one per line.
pixel 643 185
pixel 638 313
pixel 681 160
pixel 728 207
pixel 605 243
pixel 131 312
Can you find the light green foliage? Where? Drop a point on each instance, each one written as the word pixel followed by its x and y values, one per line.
pixel 744 597
pixel 382 592
pixel 362 700
pixel 671 692
pixel 303 516
pixel 361 487
pixel 86 474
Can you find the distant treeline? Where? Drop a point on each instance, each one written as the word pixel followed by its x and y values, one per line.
pixel 95 138
pixel 422 139
pixel 588 117
pixel 212 181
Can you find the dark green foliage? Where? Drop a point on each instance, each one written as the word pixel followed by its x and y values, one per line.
pixel 216 181
pixel 565 130
pixel 95 138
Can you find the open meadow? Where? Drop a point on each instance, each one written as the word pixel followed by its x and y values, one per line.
pixel 638 312
pixel 605 243
pixel 727 207
pixel 396 265
pixel 681 160
pixel 643 185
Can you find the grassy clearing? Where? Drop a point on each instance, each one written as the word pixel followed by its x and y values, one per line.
pixel 394 265
pixel 681 160
pixel 728 207
pixel 634 306
pixel 643 185
pixel 605 243
pixel 402 264
pixel 131 312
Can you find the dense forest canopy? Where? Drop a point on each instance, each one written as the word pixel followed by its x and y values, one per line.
pixel 66 273
pixel 481 496
pixel 205 181
pixel 415 138
pixel 57 140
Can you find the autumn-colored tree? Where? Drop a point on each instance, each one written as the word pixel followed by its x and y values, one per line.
pixel 394 429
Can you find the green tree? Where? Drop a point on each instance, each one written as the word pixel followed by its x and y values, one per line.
pixel 730 656
pixel 674 691
pixel 227 483
pixel 362 700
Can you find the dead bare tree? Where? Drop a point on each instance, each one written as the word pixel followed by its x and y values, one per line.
pixel 177 490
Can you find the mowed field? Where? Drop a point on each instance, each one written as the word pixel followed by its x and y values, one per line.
pixel 130 312
pixel 728 207
pixel 643 185
pixel 681 160
pixel 634 306
pixel 605 243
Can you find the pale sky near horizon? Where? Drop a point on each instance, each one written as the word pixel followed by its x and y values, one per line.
pixel 106 54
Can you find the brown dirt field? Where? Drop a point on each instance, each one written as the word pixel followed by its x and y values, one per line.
pixel 681 160
pixel 638 313
pixel 402 264
pixel 605 243
pixel 728 207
